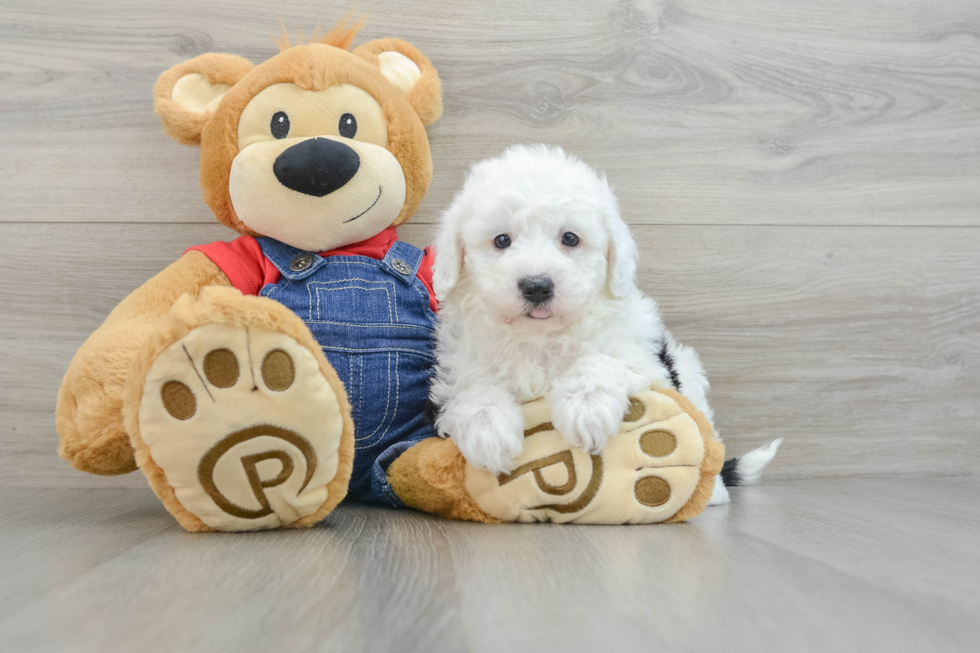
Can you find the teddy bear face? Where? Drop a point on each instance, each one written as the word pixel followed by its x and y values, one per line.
pixel 317 147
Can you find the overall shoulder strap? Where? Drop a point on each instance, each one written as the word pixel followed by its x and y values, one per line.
pixel 402 261
pixel 292 263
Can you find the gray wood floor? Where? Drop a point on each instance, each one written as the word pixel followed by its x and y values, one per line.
pixel 803 179
pixel 824 565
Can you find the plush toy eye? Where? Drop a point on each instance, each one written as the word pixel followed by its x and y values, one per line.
pixel 347 126
pixel 502 241
pixel 569 239
pixel 280 124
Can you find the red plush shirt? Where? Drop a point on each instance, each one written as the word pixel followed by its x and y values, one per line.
pixel 249 270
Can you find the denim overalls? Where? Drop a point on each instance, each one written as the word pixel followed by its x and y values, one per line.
pixel 373 320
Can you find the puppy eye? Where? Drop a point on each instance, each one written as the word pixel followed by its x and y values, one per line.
pixel 347 126
pixel 502 241
pixel 280 124
pixel 569 239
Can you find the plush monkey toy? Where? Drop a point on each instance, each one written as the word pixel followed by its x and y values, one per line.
pixel 258 382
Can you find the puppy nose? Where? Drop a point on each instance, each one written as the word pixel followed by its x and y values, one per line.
pixel 536 290
pixel 316 166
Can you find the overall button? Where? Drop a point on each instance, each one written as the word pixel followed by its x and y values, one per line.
pixel 401 267
pixel 301 262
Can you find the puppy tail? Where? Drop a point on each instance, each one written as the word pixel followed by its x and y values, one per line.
pixel 747 469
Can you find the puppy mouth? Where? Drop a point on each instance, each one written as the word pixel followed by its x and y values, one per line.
pixel 367 209
pixel 536 313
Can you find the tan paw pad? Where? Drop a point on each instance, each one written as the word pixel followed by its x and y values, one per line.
pixel 645 475
pixel 244 425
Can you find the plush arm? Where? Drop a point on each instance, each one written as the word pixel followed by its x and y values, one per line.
pixel 89 412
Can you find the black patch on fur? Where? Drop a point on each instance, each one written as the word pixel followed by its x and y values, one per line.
pixel 429 413
pixel 668 360
pixel 729 473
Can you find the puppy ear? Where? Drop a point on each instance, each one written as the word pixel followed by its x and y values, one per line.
pixel 410 72
pixel 622 257
pixel 449 253
pixel 186 95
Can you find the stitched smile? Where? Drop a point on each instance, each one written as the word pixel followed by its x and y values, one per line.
pixel 367 209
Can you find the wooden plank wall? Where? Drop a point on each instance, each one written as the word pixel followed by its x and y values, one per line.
pixel 802 178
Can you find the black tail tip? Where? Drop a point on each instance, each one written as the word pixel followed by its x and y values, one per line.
pixel 729 473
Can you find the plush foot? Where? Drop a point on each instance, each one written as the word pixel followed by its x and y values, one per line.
pixel 237 419
pixel 660 467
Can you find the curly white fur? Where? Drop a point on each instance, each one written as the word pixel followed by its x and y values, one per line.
pixel 597 341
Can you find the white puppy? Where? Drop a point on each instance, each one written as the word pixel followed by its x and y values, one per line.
pixel 536 275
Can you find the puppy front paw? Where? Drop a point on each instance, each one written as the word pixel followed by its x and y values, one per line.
pixel 488 440
pixel 487 429
pixel 587 416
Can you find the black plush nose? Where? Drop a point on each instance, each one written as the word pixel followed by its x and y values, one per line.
pixel 536 290
pixel 317 166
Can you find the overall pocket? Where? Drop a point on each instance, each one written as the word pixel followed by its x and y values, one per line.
pixel 364 301
pixel 372 384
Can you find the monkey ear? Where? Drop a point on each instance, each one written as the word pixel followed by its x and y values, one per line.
pixel 410 72
pixel 186 95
